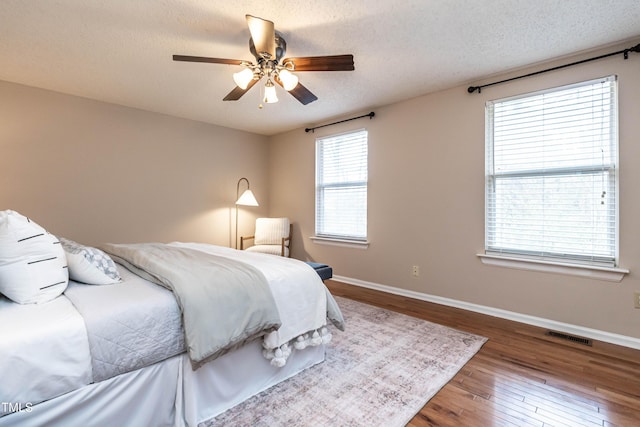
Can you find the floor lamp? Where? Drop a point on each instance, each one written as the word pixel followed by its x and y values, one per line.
pixel 247 199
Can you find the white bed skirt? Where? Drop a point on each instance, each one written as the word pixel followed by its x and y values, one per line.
pixel 168 393
pixel 216 387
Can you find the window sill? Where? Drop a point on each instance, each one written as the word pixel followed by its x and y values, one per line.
pixel 359 244
pixel 609 274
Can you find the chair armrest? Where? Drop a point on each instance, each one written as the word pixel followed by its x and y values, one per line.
pixel 285 244
pixel 243 238
pixel 287 241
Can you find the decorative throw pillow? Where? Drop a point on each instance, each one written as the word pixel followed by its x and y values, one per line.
pixel 89 265
pixel 33 266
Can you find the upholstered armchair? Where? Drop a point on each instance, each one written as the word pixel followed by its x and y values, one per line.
pixel 272 236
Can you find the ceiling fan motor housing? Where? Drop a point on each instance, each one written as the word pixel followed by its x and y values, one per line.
pixel 281 50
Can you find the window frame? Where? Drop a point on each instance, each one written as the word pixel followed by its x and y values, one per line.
pixel 525 259
pixel 322 234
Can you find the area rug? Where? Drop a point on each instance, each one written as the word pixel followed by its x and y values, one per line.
pixel 380 372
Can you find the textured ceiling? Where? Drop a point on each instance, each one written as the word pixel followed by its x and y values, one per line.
pixel 120 51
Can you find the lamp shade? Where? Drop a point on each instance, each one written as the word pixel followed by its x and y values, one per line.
pixel 242 78
pixel 289 81
pixel 270 93
pixel 247 199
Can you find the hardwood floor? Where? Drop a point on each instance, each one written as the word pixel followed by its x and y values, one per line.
pixel 522 377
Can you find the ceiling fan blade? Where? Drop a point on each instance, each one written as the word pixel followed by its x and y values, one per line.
pixel 206 59
pixel 263 34
pixel 237 92
pixel 301 93
pixel 322 63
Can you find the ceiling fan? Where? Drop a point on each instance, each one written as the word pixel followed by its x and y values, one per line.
pixel 269 47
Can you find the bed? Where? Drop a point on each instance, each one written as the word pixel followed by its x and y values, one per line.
pixel 123 353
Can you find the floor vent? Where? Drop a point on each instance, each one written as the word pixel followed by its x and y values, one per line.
pixel 573 338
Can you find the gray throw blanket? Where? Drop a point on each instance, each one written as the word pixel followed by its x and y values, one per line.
pixel 224 302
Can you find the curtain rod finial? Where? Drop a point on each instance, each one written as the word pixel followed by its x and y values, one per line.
pixel 472 89
pixel 636 48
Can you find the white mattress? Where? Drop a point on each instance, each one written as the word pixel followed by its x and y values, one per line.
pixel 44 351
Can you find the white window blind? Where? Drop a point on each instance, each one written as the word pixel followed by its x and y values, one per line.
pixel 341 186
pixel 551 163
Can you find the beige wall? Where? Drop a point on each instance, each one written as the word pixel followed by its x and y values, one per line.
pixel 97 172
pixel 426 204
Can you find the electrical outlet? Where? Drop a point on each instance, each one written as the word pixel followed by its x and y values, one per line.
pixel 636 299
pixel 416 270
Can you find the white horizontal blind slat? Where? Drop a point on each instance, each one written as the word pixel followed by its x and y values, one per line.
pixel 341 186
pixel 551 174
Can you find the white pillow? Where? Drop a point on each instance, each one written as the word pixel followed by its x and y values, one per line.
pixel 89 265
pixel 33 267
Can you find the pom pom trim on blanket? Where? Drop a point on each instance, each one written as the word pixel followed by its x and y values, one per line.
pixel 278 356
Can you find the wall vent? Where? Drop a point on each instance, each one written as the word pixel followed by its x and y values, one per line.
pixel 572 338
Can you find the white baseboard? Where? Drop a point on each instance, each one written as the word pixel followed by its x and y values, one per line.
pixel 568 328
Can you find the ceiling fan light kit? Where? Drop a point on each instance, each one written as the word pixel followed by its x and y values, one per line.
pixel 269 47
pixel 270 96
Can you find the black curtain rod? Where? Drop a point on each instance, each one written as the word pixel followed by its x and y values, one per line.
pixel 370 115
pixel 635 48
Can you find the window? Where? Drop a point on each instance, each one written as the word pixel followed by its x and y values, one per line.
pixel 341 186
pixel 551 168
